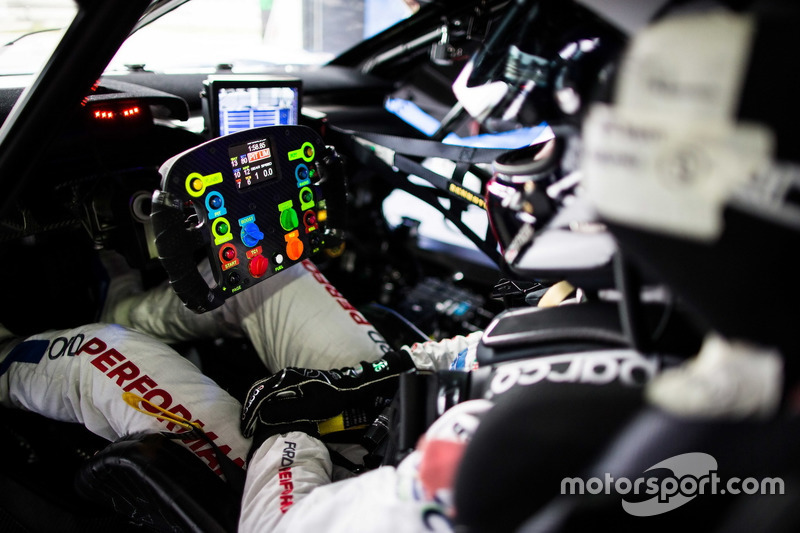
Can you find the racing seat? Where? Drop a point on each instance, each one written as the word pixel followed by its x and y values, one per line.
pixel 160 486
pixel 40 458
pixel 742 451
pixel 762 453
pixel 532 332
pixel 549 433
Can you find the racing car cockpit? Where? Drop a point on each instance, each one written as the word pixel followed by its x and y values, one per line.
pixel 450 171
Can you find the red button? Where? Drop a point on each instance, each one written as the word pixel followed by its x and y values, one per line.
pixel 258 266
pixel 228 253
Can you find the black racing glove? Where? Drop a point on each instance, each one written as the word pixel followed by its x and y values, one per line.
pixel 299 398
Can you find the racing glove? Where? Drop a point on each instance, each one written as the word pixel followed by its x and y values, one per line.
pixel 299 399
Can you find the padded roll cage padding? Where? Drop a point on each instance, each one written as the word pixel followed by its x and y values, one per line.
pixel 530 331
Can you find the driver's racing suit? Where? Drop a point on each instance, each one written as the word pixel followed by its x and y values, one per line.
pixel 289 485
pixel 80 375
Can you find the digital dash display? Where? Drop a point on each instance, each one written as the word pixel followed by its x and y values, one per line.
pixel 242 108
pixel 252 163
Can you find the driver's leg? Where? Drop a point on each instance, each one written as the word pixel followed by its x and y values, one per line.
pixel 304 321
pixel 296 318
pixel 80 375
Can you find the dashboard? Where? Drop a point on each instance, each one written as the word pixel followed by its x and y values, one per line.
pixel 93 188
pixel 91 177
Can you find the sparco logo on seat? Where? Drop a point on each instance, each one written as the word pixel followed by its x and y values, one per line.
pixel 597 368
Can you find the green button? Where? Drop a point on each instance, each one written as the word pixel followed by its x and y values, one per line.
pixel 289 219
pixel 222 228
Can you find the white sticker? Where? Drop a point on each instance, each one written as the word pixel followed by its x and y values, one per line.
pixel 687 65
pixel 668 173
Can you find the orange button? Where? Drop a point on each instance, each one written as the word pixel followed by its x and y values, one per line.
pixel 294 249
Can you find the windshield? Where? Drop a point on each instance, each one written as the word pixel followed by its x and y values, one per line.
pixel 243 35
pixel 255 35
pixel 30 31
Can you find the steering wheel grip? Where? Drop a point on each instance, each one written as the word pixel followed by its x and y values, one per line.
pixel 177 240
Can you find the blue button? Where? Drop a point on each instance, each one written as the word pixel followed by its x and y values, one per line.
pixel 251 234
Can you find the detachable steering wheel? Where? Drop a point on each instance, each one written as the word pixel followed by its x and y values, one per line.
pixel 252 201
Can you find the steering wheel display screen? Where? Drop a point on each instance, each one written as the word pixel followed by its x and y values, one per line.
pixel 252 163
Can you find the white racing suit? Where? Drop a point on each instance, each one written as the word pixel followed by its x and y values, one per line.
pixel 289 487
pixel 80 375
